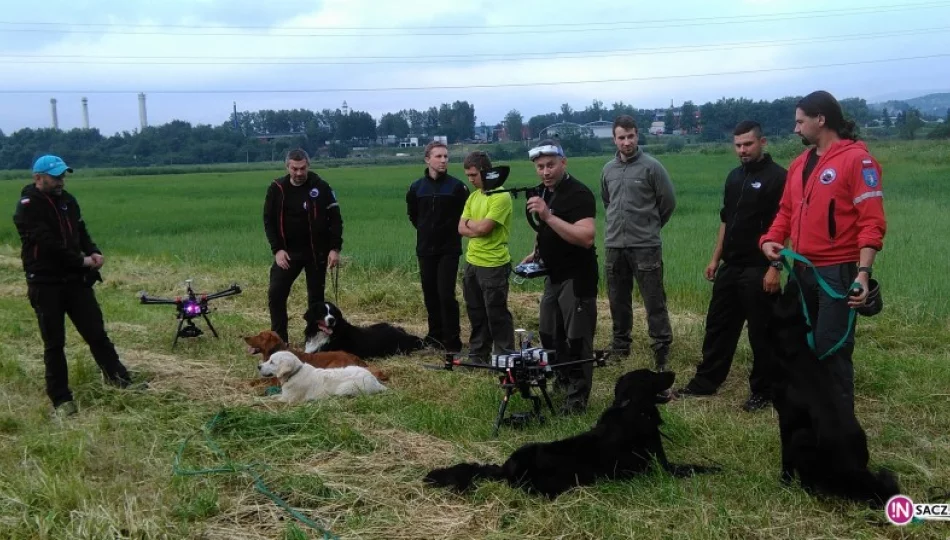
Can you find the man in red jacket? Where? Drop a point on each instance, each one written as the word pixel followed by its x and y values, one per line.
pixel 832 209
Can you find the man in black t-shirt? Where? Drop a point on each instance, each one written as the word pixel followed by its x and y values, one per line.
pixel 565 245
pixel 304 228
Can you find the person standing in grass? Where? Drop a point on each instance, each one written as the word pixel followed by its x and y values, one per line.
pixel 742 277
pixel 304 228
pixel 486 222
pixel 62 264
pixel 832 208
pixel 434 204
pixel 639 200
pixel 566 211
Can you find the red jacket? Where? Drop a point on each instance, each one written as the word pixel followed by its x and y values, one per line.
pixel 840 211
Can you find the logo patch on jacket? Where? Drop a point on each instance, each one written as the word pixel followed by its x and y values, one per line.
pixel 828 176
pixel 314 193
pixel 870 177
pixel 25 200
pixel 756 185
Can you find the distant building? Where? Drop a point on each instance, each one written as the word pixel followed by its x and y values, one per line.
pixel 601 129
pixel 658 128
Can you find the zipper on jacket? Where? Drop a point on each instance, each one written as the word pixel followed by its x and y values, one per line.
pixel 832 227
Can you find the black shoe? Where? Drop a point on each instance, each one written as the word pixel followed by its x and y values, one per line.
pixel 689 392
pixel 126 384
pixel 454 345
pixel 756 402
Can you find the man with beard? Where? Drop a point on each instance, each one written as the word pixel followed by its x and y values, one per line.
pixel 742 277
pixel 639 198
pixel 832 208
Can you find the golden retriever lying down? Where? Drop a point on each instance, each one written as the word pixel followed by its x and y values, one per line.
pixel 302 382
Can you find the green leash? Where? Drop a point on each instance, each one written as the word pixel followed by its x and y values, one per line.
pixel 828 290
pixel 231 468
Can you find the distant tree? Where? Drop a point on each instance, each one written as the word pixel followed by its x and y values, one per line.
pixel 539 122
pixel 857 110
pixel 514 123
pixel 947 120
pixel 912 123
pixel 393 124
pixel 688 116
pixel 900 120
pixel 567 113
pixel 669 120
pixel 886 118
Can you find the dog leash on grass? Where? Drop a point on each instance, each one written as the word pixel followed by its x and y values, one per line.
pixel 233 468
pixel 828 290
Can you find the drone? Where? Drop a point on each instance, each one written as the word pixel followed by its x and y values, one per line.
pixel 521 371
pixel 189 307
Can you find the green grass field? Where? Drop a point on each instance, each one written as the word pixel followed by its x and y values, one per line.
pixel 354 465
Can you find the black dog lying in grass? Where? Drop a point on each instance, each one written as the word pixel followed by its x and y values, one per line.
pixel 822 440
pixel 624 442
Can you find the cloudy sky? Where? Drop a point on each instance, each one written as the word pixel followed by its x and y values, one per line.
pixel 193 58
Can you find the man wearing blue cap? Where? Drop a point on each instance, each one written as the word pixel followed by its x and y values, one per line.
pixel 62 264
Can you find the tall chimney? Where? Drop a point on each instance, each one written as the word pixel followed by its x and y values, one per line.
pixel 52 109
pixel 143 120
pixel 85 113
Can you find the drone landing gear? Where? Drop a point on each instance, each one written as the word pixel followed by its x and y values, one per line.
pixel 191 330
pixel 519 420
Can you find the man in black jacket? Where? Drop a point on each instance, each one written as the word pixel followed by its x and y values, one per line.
pixel 62 264
pixel 742 277
pixel 435 203
pixel 304 227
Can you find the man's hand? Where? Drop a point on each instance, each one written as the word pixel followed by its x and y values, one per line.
pixel 528 259
pixel 858 301
pixel 87 262
pixel 333 258
pixel 772 249
pixel 710 271
pixel 772 282
pixel 539 207
pixel 98 260
pixel 282 259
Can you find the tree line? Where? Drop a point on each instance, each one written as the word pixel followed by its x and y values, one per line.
pixel 265 135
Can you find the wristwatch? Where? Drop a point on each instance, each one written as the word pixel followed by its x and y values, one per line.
pixel 776 264
pixel 865 269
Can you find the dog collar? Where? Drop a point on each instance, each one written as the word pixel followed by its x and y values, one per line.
pixel 294 372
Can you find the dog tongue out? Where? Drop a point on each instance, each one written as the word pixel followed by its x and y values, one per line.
pixel 324 328
pixel 252 350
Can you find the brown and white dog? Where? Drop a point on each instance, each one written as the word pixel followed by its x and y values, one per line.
pixel 268 342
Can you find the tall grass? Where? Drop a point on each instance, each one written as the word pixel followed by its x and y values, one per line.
pixel 355 465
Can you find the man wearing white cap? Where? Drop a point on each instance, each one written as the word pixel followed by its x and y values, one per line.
pixel 62 264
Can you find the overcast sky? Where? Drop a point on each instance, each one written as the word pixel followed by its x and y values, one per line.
pixel 193 58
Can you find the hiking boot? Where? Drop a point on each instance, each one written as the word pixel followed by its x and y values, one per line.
pixel 690 392
pixel 756 402
pixel 65 409
pixel 126 384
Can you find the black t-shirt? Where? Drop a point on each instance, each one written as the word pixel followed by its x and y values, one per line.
pixel 297 203
pixel 810 163
pixel 571 201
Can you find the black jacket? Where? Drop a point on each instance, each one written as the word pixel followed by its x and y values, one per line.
pixel 434 208
pixel 323 215
pixel 54 238
pixel 751 199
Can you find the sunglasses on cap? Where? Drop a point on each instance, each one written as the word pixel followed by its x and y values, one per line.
pixel 546 150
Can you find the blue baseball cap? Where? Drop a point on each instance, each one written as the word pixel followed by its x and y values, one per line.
pixel 51 165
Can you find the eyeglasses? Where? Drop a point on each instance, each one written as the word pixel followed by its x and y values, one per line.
pixel 546 150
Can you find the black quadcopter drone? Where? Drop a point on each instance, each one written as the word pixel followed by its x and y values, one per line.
pixel 495 177
pixel 522 370
pixel 189 307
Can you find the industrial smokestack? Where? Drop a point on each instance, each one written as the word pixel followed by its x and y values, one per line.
pixel 52 110
pixel 143 119
pixel 85 113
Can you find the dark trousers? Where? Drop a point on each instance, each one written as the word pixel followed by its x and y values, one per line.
pixel 485 290
pixel 829 319
pixel 52 303
pixel 567 325
pixel 279 290
pixel 737 297
pixel 439 274
pixel 645 265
